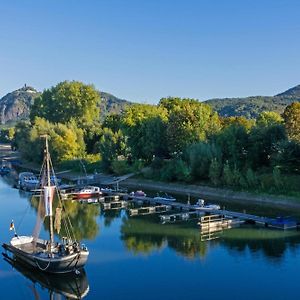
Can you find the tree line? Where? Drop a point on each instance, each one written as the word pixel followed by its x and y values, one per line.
pixel 179 139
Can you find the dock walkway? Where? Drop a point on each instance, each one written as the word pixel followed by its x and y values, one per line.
pixel 279 223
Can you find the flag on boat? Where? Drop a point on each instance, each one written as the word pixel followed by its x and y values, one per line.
pixel 48 198
pixel 12 226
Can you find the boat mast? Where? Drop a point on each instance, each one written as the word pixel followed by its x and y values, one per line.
pixel 49 184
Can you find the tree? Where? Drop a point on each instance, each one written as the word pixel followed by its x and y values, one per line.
pixel 233 140
pixel 145 127
pixel 291 117
pixel 68 101
pixel 66 140
pixel 263 143
pixel 269 118
pixel 190 121
pixel 111 145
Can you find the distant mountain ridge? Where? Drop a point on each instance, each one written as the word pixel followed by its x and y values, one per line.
pixel 16 105
pixel 251 107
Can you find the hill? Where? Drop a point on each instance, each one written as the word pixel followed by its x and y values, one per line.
pixel 111 104
pixel 16 105
pixel 251 107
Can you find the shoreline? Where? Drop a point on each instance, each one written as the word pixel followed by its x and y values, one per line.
pixel 206 192
pixel 215 194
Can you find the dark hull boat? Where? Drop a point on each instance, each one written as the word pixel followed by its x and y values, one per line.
pixel 62 259
pixel 69 285
pixel 49 256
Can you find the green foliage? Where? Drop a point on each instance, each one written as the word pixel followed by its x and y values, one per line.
pixel 269 118
pixel 111 145
pixel 120 167
pixel 233 140
pixel 277 178
pixel 287 156
pixel 145 127
pixel 291 117
pixel 189 122
pixel 66 140
pixel 175 170
pixel 251 178
pixel 7 134
pixel 68 101
pixel 251 107
pixel 263 144
pixel 238 121
pixel 199 157
pixel 215 171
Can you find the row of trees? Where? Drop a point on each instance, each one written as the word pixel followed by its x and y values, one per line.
pixel 180 139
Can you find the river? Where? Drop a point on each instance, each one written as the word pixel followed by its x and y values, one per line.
pixel 139 258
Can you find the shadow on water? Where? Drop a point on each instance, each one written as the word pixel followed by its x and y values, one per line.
pixel 70 285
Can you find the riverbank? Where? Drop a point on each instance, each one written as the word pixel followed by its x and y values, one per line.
pixel 199 191
pixel 215 194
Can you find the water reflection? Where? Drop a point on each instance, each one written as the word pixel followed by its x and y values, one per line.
pixel 83 218
pixel 71 285
pixel 272 244
pixel 144 235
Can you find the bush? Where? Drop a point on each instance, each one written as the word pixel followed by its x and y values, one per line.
pixel 175 170
pixel 120 167
pixel 215 171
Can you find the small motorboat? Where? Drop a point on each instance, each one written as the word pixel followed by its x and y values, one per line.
pixel 4 170
pixel 166 197
pixel 200 204
pixel 139 193
pixel 88 192
pixel 28 181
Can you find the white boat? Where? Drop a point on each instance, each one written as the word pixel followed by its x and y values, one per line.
pixel 28 181
pixel 166 197
pixel 88 192
pixel 139 193
pixel 200 205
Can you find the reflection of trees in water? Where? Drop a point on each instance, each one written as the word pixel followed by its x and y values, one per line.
pixel 110 215
pixel 272 244
pixel 144 235
pixel 82 217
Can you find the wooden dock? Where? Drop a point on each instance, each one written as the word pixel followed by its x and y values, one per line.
pixel 278 223
pixel 183 216
pixel 149 210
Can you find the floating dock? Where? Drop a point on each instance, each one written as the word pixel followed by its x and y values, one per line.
pixel 278 223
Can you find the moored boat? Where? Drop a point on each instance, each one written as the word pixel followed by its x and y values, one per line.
pixel 165 197
pixel 200 205
pixel 138 193
pixel 4 170
pixel 88 192
pixel 28 181
pixel 49 256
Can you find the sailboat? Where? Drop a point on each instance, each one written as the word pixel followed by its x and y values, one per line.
pixel 49 255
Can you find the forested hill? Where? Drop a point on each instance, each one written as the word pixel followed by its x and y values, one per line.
pixel 111 104
pixel 16 105
pixel 250 107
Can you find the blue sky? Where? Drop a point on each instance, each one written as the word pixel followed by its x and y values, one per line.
pixel 144 50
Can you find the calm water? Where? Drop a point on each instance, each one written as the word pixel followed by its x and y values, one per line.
pixel 138 258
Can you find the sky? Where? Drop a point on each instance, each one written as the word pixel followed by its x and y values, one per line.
pixel 143 50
